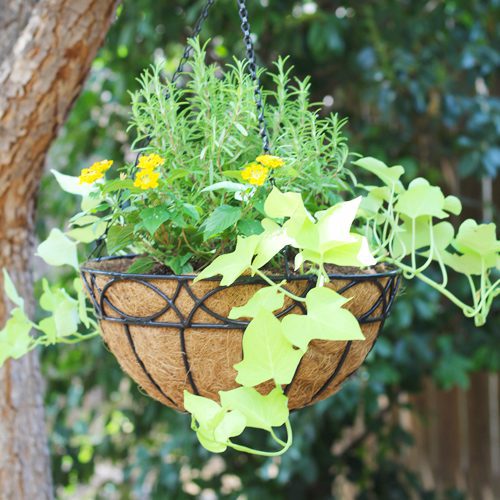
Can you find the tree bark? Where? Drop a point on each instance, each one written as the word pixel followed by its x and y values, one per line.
pixel 46 49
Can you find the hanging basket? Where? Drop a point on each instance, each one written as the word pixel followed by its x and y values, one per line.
pixel 170 334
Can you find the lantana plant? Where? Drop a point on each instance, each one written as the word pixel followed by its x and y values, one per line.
pixel 203 198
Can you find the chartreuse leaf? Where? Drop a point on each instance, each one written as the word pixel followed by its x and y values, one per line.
pixel 330 240
pixel 325 320
pixel 58 250
pixel 72 185
pixel 11 291
pixel 477 238
pixel 279 205
pixel 82 305
pixel 267 354
pixel 273 240
pixel 220 219
pixel 375 198
pixel 453 205
pixel 389 175
pixel 268 298
pixel 421 199
pixel 261 412
pixel 64 319
pixel 442 235
pixel 89 233
pixel 479 248
pixel 213 424
pixel 15 338
pixel 234 264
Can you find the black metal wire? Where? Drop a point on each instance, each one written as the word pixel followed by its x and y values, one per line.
pixel 386 284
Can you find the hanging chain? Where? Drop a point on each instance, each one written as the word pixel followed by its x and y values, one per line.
pixel 188 49
pixel 252 68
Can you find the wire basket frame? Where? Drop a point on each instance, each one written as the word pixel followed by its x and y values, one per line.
pixel 100 284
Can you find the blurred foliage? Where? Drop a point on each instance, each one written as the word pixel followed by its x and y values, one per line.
pixel 419 83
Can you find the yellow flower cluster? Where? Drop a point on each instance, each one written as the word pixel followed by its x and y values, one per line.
pixel 147 177
pixel 150 162
pixel 270 161
pixel 256 172
pixel 94 172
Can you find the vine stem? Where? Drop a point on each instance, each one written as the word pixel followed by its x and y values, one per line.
pixel 272 283
pixel 252 451
pixel 468 310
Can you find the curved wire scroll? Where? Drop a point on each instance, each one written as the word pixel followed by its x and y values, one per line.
pixel 386 283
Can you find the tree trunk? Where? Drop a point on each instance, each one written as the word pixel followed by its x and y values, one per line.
pixel 46 49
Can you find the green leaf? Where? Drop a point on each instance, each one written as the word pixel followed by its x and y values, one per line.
pixel 261 412
pixel 232 187
pixel 268 298
pixel 267 354
pixel 220 219
pixel 119 185
pixel 178 173
pixel 389 175
pixel 325 320
pixel 142 265
pixel 243 131
pixel 232 265
pixel 15 338
pixel 119 237
pixel 421 199
pixel 10 290
pixel 233 174
pixel 180 264
pixel 58 250
pixel 247 227
pixel 152 218
pixel 191 211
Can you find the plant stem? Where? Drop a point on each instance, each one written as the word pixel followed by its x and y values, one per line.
pixel 272 283
pixel 252 451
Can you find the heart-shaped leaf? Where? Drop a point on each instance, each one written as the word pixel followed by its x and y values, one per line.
pixel 234 264
pixel 261 412
pixel 268 298
pixel 325 320
pixel 267 354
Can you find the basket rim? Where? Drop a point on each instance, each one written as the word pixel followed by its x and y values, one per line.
pixel 391 271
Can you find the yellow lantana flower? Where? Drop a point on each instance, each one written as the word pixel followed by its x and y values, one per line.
pixel 94 172
pixel 150 162
pixel 254 173
pixel 101 166
pixel 270 161
pixel 146 179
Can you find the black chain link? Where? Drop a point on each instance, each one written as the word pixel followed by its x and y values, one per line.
pixel 188 49
pixel 252 68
